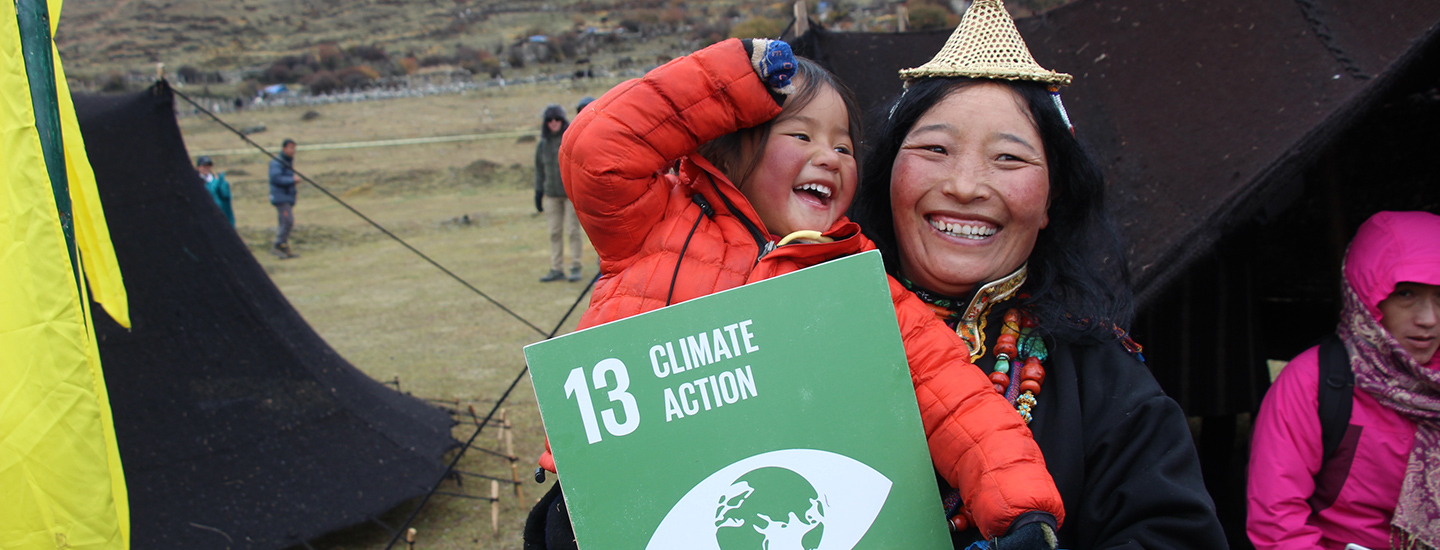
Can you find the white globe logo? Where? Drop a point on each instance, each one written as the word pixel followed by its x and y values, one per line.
pixel 794 499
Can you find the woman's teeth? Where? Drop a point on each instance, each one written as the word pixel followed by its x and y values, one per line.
pixel 968 231
pixel 816 188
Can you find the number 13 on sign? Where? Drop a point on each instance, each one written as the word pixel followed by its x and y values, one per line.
pixel 575 386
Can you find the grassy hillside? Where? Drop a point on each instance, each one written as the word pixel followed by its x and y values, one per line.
pixel 118 34
pixel 232 40
pixel 98 37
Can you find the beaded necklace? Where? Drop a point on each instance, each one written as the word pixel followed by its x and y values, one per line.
pixel 1017 344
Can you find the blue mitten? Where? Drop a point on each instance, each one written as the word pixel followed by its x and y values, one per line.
pixel 773 62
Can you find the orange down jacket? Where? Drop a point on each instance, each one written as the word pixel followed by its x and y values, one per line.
pixel 629 165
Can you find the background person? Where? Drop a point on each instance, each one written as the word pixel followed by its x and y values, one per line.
pixel 550 197
pixel 216 185
pixel 986 206
pixel 282 196
pixel 1377 489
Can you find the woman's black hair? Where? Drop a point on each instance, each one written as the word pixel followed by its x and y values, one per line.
pixel 553 112
pixel 736 154
pixel 1078 285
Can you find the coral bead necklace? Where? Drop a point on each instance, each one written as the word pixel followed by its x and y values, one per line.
pixel 1019 351
pixel 1017 345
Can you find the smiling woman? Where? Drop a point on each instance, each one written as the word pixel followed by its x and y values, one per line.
pixel 971 187
pixel 986 206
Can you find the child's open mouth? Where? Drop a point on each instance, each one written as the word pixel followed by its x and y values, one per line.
pixel 814 192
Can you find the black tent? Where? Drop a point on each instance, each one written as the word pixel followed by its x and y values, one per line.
pixel 1243 142
pixel 238 426
pixel 1197 111
pixel 1206 118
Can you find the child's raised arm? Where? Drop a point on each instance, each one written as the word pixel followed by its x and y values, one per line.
pixel 614 156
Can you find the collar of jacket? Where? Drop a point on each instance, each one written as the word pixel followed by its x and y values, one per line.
pixel 693 170
pixel 847 240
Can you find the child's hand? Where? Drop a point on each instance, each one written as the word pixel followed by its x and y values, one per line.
pixel 773 62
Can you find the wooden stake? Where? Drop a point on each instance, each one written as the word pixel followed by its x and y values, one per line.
pixel 514 469
pixel 902 17
pixel 802 19
pixel 495 507
pixel 500 435
pixel 410 538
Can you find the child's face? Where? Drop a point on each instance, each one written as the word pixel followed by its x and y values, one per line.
pixel 806 175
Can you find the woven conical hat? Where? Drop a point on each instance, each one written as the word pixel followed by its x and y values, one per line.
pixel 986 45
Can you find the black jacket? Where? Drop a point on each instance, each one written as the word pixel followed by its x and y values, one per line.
pixel 1119 450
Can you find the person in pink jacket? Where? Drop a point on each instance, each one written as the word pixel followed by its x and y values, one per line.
pixel 1378 489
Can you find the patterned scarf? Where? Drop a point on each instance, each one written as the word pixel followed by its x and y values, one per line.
pixel 1387 372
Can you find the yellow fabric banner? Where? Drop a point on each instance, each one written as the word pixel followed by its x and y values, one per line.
pixel 92 236
pixel 61 483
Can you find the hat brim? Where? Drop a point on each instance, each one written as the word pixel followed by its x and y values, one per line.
pixel 1058 79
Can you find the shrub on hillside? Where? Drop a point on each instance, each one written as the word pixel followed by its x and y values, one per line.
pixel 329 56
pixel 356 77
pixel 288 69
pixel 673 17
pixel 321 82
pixel 192 75
pixel 631 25
pixel 568 43
pixel 757 27
pixel 409 64
pixel 480 62
pixel 927 16
pixel 371 53
pixel 709 33
pixel 277 73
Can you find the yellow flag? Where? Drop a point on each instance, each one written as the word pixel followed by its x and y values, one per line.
pixel 61 484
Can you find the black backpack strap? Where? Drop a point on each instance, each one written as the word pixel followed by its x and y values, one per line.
pixel 1337 393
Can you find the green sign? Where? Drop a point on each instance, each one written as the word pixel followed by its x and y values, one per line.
pixel 776 415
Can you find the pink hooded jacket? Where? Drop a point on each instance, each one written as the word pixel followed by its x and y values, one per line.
pixel 1287 504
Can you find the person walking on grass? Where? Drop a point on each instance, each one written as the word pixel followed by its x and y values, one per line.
pixel 217 186
pixel 550 197
pixel 282 195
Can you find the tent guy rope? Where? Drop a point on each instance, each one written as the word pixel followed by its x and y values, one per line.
pixel 367 219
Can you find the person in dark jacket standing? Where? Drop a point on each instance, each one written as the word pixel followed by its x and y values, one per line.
pixel 217 186
pixel 550 197
pixel 282 195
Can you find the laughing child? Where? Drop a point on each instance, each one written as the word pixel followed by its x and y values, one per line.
pixel 736 164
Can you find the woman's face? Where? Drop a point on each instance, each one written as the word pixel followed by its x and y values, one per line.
pixel 1412 315
pixel 969 190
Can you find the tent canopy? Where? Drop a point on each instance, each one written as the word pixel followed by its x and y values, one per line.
pixel 1199 112
pixel 237 425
